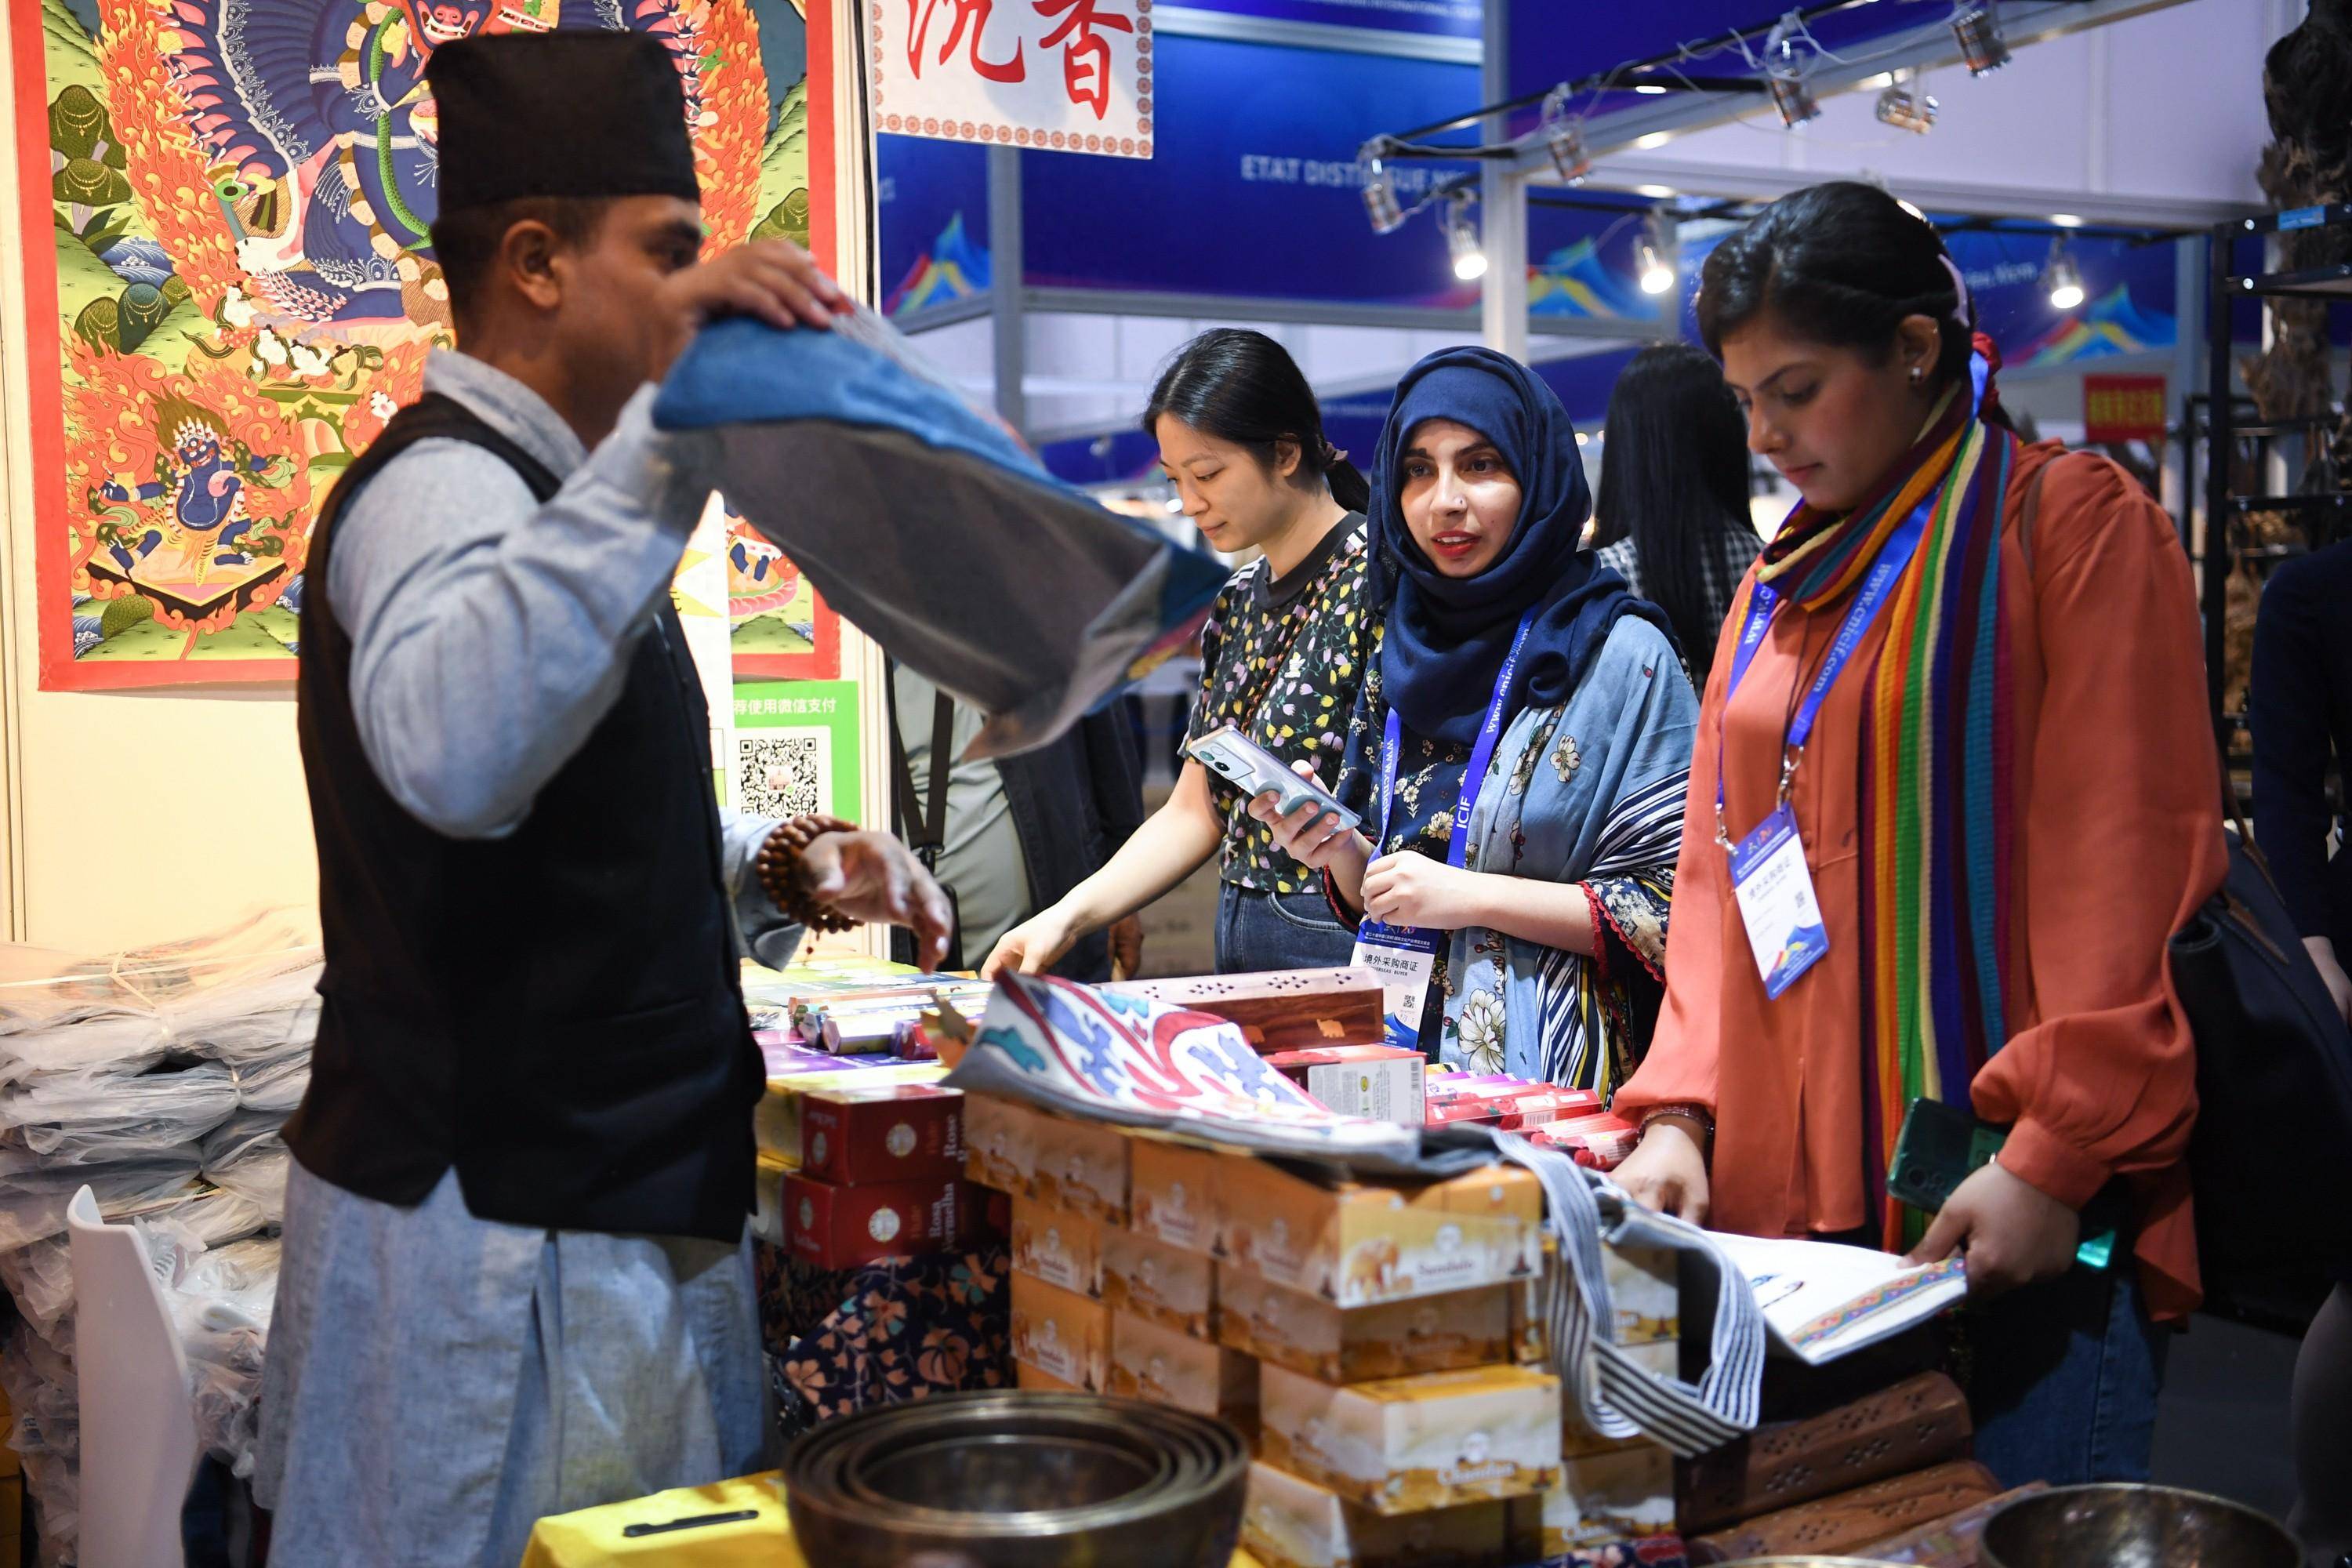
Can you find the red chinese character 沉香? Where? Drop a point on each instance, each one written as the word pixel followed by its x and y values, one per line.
pixel 1086 57
pixel 969 13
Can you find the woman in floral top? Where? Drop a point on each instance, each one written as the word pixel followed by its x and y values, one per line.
pixel 1283 653
pixel 1554 921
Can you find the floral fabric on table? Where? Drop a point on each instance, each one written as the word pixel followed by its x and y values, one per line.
pixel 900 1330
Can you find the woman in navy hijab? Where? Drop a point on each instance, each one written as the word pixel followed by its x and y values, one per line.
pixel 1519 749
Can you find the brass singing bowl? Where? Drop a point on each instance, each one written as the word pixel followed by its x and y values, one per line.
pixel 1018 1480
pixel 2133 1527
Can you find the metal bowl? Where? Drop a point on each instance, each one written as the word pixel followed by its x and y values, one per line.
pixel 2133 1527
pixel 1808 1563
pixel 1018 1480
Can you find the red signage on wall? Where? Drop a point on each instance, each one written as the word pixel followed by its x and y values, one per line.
pixel 2122 408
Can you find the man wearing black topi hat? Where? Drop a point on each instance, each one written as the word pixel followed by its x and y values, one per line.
pixel 515 1278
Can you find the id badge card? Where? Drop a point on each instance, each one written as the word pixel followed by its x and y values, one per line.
pixel 1405 957
pixel 1775 901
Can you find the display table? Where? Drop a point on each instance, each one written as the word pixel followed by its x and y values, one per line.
pixel 596 1536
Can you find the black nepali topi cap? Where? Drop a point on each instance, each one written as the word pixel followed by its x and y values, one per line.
pixel 575 112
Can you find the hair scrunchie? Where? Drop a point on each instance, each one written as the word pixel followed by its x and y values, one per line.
pixel 1991 349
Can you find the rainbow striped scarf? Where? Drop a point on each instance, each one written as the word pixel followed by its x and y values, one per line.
pixel 1935 773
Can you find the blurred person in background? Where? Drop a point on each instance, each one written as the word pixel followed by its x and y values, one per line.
pixel 2299 707
pixel 1671 515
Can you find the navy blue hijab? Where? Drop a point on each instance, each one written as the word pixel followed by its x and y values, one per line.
pixel 1446 637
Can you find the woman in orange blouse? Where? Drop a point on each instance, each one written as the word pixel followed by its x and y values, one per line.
pixel 2006 803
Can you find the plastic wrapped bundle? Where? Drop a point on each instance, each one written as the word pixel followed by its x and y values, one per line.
pixel 247 1157
pixel 40 1278
pixel 221 1303
pixel 34 1193
pixel 120 1044
pixel 922 519
pixel 47 1435
pixel 272 1085
pixel 198 1216
pixel 111 1118
pixel 43 989
pixel 243 996
pixel 266 1016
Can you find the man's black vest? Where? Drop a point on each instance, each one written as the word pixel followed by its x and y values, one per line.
pixel 556 1013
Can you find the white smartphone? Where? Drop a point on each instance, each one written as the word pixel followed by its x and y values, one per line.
pixel 1254 771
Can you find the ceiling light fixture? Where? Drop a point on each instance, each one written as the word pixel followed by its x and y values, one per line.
pixel 1657 252
pixel 1462 241
pixel 1380 204
pixel 1978 32
pixel 1784 76
pixel 1907 109
pixel 1564 139
pixel 2060 278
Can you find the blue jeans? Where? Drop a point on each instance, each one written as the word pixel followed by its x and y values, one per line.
pixel 1259 931
pixel 2063 1378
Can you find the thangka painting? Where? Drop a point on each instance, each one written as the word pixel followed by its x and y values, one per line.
pixel 226 208
pixel 779 627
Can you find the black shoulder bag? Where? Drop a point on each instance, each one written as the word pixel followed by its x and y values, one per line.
pixel 924 825
pixel 2271 1157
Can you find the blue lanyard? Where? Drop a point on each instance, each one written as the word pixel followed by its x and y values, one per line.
pixel 1876 589
pixel 1482 757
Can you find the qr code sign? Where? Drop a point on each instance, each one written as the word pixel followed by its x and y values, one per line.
pixel 782 775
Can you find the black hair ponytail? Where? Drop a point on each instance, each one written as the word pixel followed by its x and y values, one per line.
pixel 1242 386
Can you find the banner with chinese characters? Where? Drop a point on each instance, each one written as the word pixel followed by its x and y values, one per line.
pixel 2122 408
pixel 1070 76
pixel 224 225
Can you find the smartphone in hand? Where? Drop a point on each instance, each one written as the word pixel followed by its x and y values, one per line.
pixel 1254 771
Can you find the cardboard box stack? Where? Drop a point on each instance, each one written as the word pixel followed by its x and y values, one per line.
pixel 1365 1335
pixel 861 1161
pixel 1608 1490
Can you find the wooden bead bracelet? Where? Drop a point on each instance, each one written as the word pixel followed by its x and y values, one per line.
pixel 783 872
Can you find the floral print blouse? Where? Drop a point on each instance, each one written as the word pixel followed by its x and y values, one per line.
pixel 1281 659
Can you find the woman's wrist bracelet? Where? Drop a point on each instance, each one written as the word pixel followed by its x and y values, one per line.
pixel 1682 1113
pixel 782 869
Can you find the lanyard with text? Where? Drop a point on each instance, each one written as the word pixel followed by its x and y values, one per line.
pixel 1768 878
pixel 1406 957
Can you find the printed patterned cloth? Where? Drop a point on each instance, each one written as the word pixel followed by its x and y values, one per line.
pixel 1589 792
pixel 1281 659
pixel 1135 1062
pixel 900 1330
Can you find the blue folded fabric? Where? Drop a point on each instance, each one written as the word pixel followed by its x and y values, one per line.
pixel 925 522
pixel 741 372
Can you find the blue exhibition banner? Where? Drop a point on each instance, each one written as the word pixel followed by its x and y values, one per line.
pixel 2127 297
pixel 1424 19
pixel 2128 294
pixel 1352 424
pixel 930 206
pixel 1254 191
pixel 1581 264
